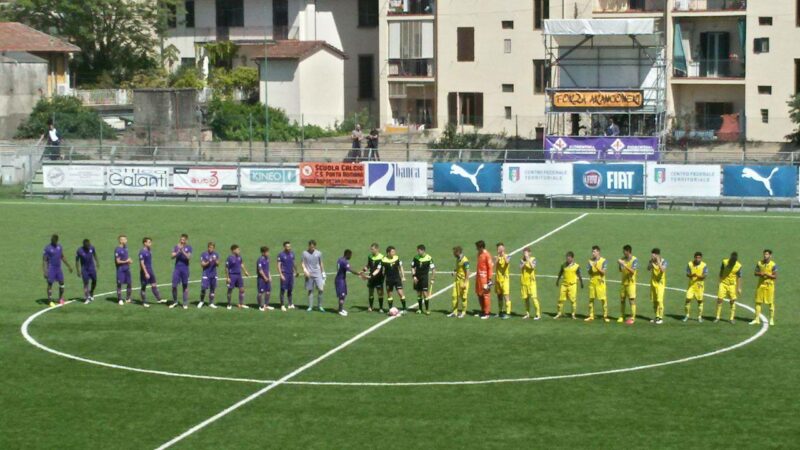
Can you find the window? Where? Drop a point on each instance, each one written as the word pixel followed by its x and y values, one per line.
pixel 764 116
pixel 172 15
pixel 506 45
pixel 767 21
pixel 368 13
pixel 761 45
pixel 366 71
pixel 508 88
pixel 189 14
pixel 410 40
pixel 708 115
pixel 187 62
pixel 797 12
pixel 507 24
pixel 797 76
pixel 541 11
pixel 465 108
pixel 636 5
pixel 766 90
pixel 466 43
pixel 508 113
pixel 539 76
pixel 230 13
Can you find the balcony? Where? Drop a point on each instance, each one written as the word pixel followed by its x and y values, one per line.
pixel 411 68
pixel 629 7
pixel 711 68
pixel 411 7
pixel 713 7
pixel 236 34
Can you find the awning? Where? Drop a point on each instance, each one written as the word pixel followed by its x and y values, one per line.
pixel 599 27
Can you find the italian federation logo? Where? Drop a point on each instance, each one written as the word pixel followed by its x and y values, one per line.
pixel 514 174
pixel 592 179
pixel 660 175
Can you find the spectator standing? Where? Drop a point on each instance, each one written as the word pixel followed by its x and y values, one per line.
pixel 52 150
pixel 372 145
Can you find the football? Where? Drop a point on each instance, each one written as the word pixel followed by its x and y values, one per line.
pixel 393 311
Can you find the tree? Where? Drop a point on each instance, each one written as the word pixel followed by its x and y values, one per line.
pixel 116 37
pixel 72 119
pixel 794 115
pixel 224 82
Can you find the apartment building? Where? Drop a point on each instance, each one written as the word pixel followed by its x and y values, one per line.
pixel 734 63
pixel 321 55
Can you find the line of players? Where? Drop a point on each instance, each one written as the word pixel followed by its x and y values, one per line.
pixel 386 271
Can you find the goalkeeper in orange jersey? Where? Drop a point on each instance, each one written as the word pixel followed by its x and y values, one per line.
pixel 483 279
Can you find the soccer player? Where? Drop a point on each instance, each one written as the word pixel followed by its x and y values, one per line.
pixel 730 285
pixel 340 282
pixel 597 268
pixel 528 280
pixel 233 275
pixel 209 260
pixel 394 276
pixel 423 271
pixel 123 261
pixel 86 263
pixel 568 277
pixel 314 272
pixel 182 254
pixel 696 272
pixel 147 276
pixel 502 281
pixel 376 279
pixel 264 280
pixel 460 284
pixel 287 269
pixel 767 273
pixel 657 266
pixel 52 257
pixel 628 267
pixel 483 282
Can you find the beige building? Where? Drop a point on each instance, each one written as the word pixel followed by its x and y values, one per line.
pixel 732 64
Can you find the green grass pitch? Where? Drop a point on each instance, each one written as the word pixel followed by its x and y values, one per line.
pixel 743 398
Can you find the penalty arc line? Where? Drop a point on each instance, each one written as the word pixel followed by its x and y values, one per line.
pixel 328 354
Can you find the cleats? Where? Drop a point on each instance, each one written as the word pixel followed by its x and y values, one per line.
pixel 686 319
pixel 699 320
pixel 269 308
pixel 120 303
pixel 505 317
pixel 163 300
pixel 230 307
pixel 428 312
pixel 485 316
pixel 243 306
pixel 452 314
pixel 283 308
pixel 771 322
pixel 212 306
pixel 716 320
pixel 145 305
pixel 461 316
pixel 574 316
pixel 343 313
pixel 588 319
pixel 127 300
pixel 185 307
pixel 659 321
pixel 291 307
pixel 621 320
pixel 755 322
pixel 652 320
pixel 173 304
pixel 606 319
pixel 380 311
pixel 557 316
pixel 310 308
pixel 321 309
pixel 537 318
pixel 199 305
pixel 629 321
pixel 419 311
pixel 261 308
pixel 87 301
pixel 369 309
pixel 53 304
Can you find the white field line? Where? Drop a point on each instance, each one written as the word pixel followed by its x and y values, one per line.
pixel 326 355
pixel 463 210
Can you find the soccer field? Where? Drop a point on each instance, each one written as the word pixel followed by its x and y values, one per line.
pixel 110 376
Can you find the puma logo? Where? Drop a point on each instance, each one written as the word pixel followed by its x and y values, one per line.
pixel 472 177
pixel 755 176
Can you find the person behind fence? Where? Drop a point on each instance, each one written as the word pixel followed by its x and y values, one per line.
pixel 52 151
pixel 354 154
pixel 372 145
pixel 612 129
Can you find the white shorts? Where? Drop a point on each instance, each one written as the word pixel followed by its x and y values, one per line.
pixel 317 282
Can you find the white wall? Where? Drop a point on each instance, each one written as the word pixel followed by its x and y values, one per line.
pixel 322 98
pixel 283 84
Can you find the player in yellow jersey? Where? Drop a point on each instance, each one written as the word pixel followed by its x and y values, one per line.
pixel 460 284
pixel 767 273
pixel 568 278
pixel 528 280
pixel 696 272
pixel 730 285
pixel 597 268
pixel 502 281
pixel 658 284
pixel 628 267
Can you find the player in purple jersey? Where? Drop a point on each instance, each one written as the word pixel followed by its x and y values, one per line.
pixel 182 254
pixel 123 263
pixel 233 275
pixel 209 261
pixel 52 257
pixel 287 269
pixel 86 264
pixel 264 280
pixel 342 268
pixel 146 274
